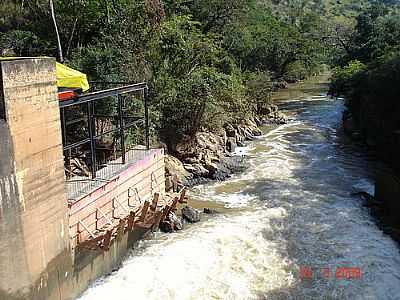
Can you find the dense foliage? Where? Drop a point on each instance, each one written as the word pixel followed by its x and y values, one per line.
pixel 369 77
pixel 208 61
pixel 370 73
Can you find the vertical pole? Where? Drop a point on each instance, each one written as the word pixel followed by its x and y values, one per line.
pixel 121 127
pixel 53 16
pixel 92 139
pixel 146 116
pixel 67 154
pixel 63 127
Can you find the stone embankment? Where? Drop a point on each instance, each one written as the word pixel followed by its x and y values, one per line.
pixel 210 156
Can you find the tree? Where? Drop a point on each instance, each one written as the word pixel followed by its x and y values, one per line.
pixel 214 15
pixel 53 16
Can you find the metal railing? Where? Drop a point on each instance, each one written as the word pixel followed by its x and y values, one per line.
pixel 80 119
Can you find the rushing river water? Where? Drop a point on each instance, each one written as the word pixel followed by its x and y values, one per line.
pixel 289 213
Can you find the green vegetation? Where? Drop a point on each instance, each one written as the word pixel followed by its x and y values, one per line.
pixel 208 62
pixel 369 76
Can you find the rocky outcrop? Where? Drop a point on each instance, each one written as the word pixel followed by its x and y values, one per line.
pixel 272 115
pixel 174 166
pixel 207 155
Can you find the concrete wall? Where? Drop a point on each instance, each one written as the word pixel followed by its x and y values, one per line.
pixel 34 242
pixel 92 264
pixel 147 176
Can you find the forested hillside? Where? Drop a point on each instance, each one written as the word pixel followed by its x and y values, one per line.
pixel 369 77
pixel 206 60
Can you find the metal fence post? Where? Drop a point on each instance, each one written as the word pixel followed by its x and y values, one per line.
pixel 92 139
pixel 146 115
pixel 121 127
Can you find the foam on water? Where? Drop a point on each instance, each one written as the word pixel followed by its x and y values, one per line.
pixel 242 151
pixel 216 260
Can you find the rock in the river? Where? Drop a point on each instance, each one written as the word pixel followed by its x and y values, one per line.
pixel 209 211
pixel 205 155
pixel 357 136
pixel 176 221
pixel 190 214
pixel 348 125
pixel 166 226
pixel 171 223
pixel 371 142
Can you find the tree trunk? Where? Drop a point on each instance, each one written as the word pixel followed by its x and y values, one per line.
pixel 53 16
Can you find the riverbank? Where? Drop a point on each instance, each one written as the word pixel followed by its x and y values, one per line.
pixel 383 202
pixel 212 156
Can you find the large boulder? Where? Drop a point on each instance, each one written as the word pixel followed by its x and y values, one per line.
pixel 265 110
pixel 210 141
pixel 174 166
pixel 171 223
pixel 191 214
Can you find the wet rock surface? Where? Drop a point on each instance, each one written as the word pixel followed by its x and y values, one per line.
pixel 191 214
pixel 171 223
pixel 209 211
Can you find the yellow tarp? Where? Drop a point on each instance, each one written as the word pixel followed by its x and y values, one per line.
pixel 66 77
pixel 70 78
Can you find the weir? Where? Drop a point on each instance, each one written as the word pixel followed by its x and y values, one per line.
pixel 69 208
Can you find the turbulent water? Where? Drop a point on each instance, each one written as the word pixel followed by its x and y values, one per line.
pixel 291 211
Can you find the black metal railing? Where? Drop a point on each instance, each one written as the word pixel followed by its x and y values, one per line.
pixel 103 117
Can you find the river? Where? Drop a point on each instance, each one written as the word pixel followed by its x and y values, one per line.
pixel 287 225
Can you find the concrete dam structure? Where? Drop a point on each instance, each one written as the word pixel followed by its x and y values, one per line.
pixel 58 234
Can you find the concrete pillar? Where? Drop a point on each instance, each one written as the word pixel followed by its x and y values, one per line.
pixel 34 241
